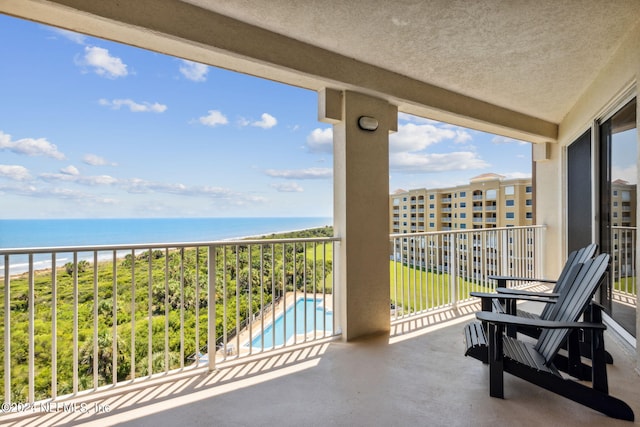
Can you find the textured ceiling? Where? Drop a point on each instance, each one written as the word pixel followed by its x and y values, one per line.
pixel 534 57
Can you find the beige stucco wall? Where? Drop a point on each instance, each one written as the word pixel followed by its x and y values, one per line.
pixel 617 79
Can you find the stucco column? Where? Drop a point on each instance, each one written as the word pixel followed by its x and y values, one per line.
pixel 361 209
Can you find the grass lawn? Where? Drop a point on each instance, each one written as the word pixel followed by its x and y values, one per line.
pixel 627 285
pixel 417 290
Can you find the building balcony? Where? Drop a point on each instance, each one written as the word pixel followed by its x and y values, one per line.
pixel 417 376
pixel 248 364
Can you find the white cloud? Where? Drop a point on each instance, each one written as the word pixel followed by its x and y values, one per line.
pixel 310 173
pixel 288 187
pixel 439 130
pixel 320 140
pixel 141 186
pixel 65 193
pixel 423 162
pixel 94 160
pixel 194 71
pixel 70 170
pixel 54 193
pixel 629 173
pixel 213 119
pixel 516 175
pixel 462 136
pixel 242 122
pixel 267 121
pixel 414 137
pixel 30 147
pixel 90 180
pixel 134 107
pixel 103 63
pixel 15 172
pixel 408 148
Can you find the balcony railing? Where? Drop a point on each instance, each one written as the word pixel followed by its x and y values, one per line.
pixel 624 259
pixel 78 319
pixel 161 309
pixel 425 276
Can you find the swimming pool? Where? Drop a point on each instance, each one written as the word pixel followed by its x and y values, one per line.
pixel 309 309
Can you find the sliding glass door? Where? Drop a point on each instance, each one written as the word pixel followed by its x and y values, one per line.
pixel 618 154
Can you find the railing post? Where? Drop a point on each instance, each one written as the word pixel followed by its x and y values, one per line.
pixel 7 331
pixel 540 271
pixel 211 306
pixel 504 253
pixel 75 322
pixel 453 270
pixel 31 308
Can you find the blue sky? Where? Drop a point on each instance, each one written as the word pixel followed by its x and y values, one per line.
pixel 95 129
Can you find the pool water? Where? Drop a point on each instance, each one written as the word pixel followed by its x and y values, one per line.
pixel 309 309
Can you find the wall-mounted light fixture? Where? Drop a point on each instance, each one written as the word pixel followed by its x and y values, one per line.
pixel 368 123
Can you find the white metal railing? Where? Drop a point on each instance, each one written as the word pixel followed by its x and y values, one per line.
pixel 76 319
pixel 623 256
pixel 439 269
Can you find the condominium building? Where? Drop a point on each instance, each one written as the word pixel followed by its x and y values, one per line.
pixel 623 204
pixel 623 227
pixel 488 201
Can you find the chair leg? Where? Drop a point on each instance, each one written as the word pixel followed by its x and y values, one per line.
pixel 512 330
pixel 593 314
pixel 574 365
pixel 598 362
pixel 496 361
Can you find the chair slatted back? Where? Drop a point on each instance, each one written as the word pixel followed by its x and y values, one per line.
pixel 576 257
pixel 582 281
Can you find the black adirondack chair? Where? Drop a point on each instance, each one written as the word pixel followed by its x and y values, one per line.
pixel 534 362
pixel 505 303
pixel 508 304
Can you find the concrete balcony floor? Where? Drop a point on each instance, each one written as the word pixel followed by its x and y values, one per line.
pixel 418 376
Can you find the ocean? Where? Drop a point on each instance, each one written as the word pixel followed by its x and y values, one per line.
pixel 38 233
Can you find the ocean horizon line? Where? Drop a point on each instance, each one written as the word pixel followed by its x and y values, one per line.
pixel 22 235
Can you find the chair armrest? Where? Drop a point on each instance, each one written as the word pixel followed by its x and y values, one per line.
pixel 513 291
pixel 510 297
pixel 504 279
pixel 597 304
pixel 507 319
